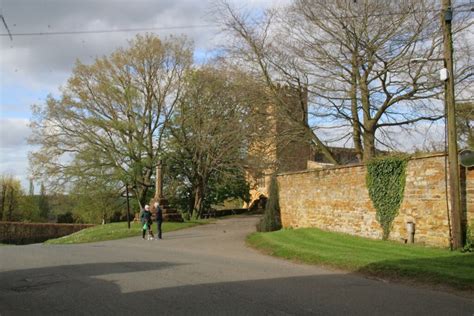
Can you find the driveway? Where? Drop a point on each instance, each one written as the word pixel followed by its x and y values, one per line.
pixel 205 270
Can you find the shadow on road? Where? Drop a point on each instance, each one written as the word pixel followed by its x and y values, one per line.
pixel 81 289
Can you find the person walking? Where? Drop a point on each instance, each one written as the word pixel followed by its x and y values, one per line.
pixel 146 222
pixel 159 218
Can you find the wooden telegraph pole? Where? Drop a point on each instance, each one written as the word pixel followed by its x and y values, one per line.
pixel 159 182
pixel 128 205
pixel 454 183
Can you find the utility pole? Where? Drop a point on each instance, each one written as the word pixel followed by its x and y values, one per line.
pixel 454 183
pixel 128 205
pixel 159 182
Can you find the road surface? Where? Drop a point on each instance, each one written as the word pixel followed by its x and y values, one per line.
pixel 205 270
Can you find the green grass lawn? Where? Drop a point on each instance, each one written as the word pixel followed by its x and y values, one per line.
pixel 117 231
pixel 373 257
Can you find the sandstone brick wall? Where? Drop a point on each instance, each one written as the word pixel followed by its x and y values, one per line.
pixel 336 199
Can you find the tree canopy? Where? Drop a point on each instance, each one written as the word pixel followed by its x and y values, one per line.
pixel 108 122
pixel 210 132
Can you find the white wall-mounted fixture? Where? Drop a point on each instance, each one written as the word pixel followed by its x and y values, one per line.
pixel 443 74
pixel 411 232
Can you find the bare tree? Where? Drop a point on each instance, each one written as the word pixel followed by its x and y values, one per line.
pixel 254 50
pixel 354 60
pixel 465 124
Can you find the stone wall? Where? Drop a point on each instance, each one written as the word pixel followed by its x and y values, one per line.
pixel 336 199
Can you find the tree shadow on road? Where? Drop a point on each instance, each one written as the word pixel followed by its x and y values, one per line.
pixel 131 288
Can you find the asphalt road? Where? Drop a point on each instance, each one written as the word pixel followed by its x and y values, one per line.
pixel 205 270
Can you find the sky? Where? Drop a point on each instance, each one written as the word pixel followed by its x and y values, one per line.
pixel 32 67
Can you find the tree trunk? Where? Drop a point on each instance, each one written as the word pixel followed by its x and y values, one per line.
pixel 369 144
pixel 191 201
pixel 199 196
pixel 143 195
pixel 369 124
pixel 140 194
pixel 198 201
pixel 356 133
pixel 11 204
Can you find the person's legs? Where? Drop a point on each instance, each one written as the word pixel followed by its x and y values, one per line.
pixel 143 233
pixel 158 223
pixel 150 231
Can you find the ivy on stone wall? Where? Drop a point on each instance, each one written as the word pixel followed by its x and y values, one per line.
pixel 386 184
pixel 469 245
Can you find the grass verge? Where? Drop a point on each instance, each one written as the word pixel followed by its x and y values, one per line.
pixel 378 258
pixel 117 231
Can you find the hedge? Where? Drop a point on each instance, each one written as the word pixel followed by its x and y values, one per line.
pixel 26 233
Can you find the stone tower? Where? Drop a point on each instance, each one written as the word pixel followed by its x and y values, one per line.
pixel 284 144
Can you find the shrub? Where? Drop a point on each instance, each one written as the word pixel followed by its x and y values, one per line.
pixel 65 218
pixel 117 216
pixel 469 246
pixel 271 220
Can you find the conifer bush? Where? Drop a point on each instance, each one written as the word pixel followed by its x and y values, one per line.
pixel 271 220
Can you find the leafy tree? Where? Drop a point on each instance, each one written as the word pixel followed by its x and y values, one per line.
pixel 31 191
pixel 222 189
pixel 65 218
pixel 28 209
pixel 96 202
pixel 209 135
pixel 43 203
pixel 108 122
pixel 10 195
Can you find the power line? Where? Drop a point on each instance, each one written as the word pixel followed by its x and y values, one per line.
pixel 6 27
pixel 164 28
pixel 112 30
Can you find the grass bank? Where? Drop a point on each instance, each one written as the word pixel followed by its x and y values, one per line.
pixel 117 231
pixel 379 258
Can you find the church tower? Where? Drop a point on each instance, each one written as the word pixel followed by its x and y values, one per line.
pixel 284 144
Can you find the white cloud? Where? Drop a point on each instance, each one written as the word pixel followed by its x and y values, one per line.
pixel 14 148
pixel 13 133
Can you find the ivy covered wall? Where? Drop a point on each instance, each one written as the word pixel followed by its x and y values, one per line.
pixel 337 199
